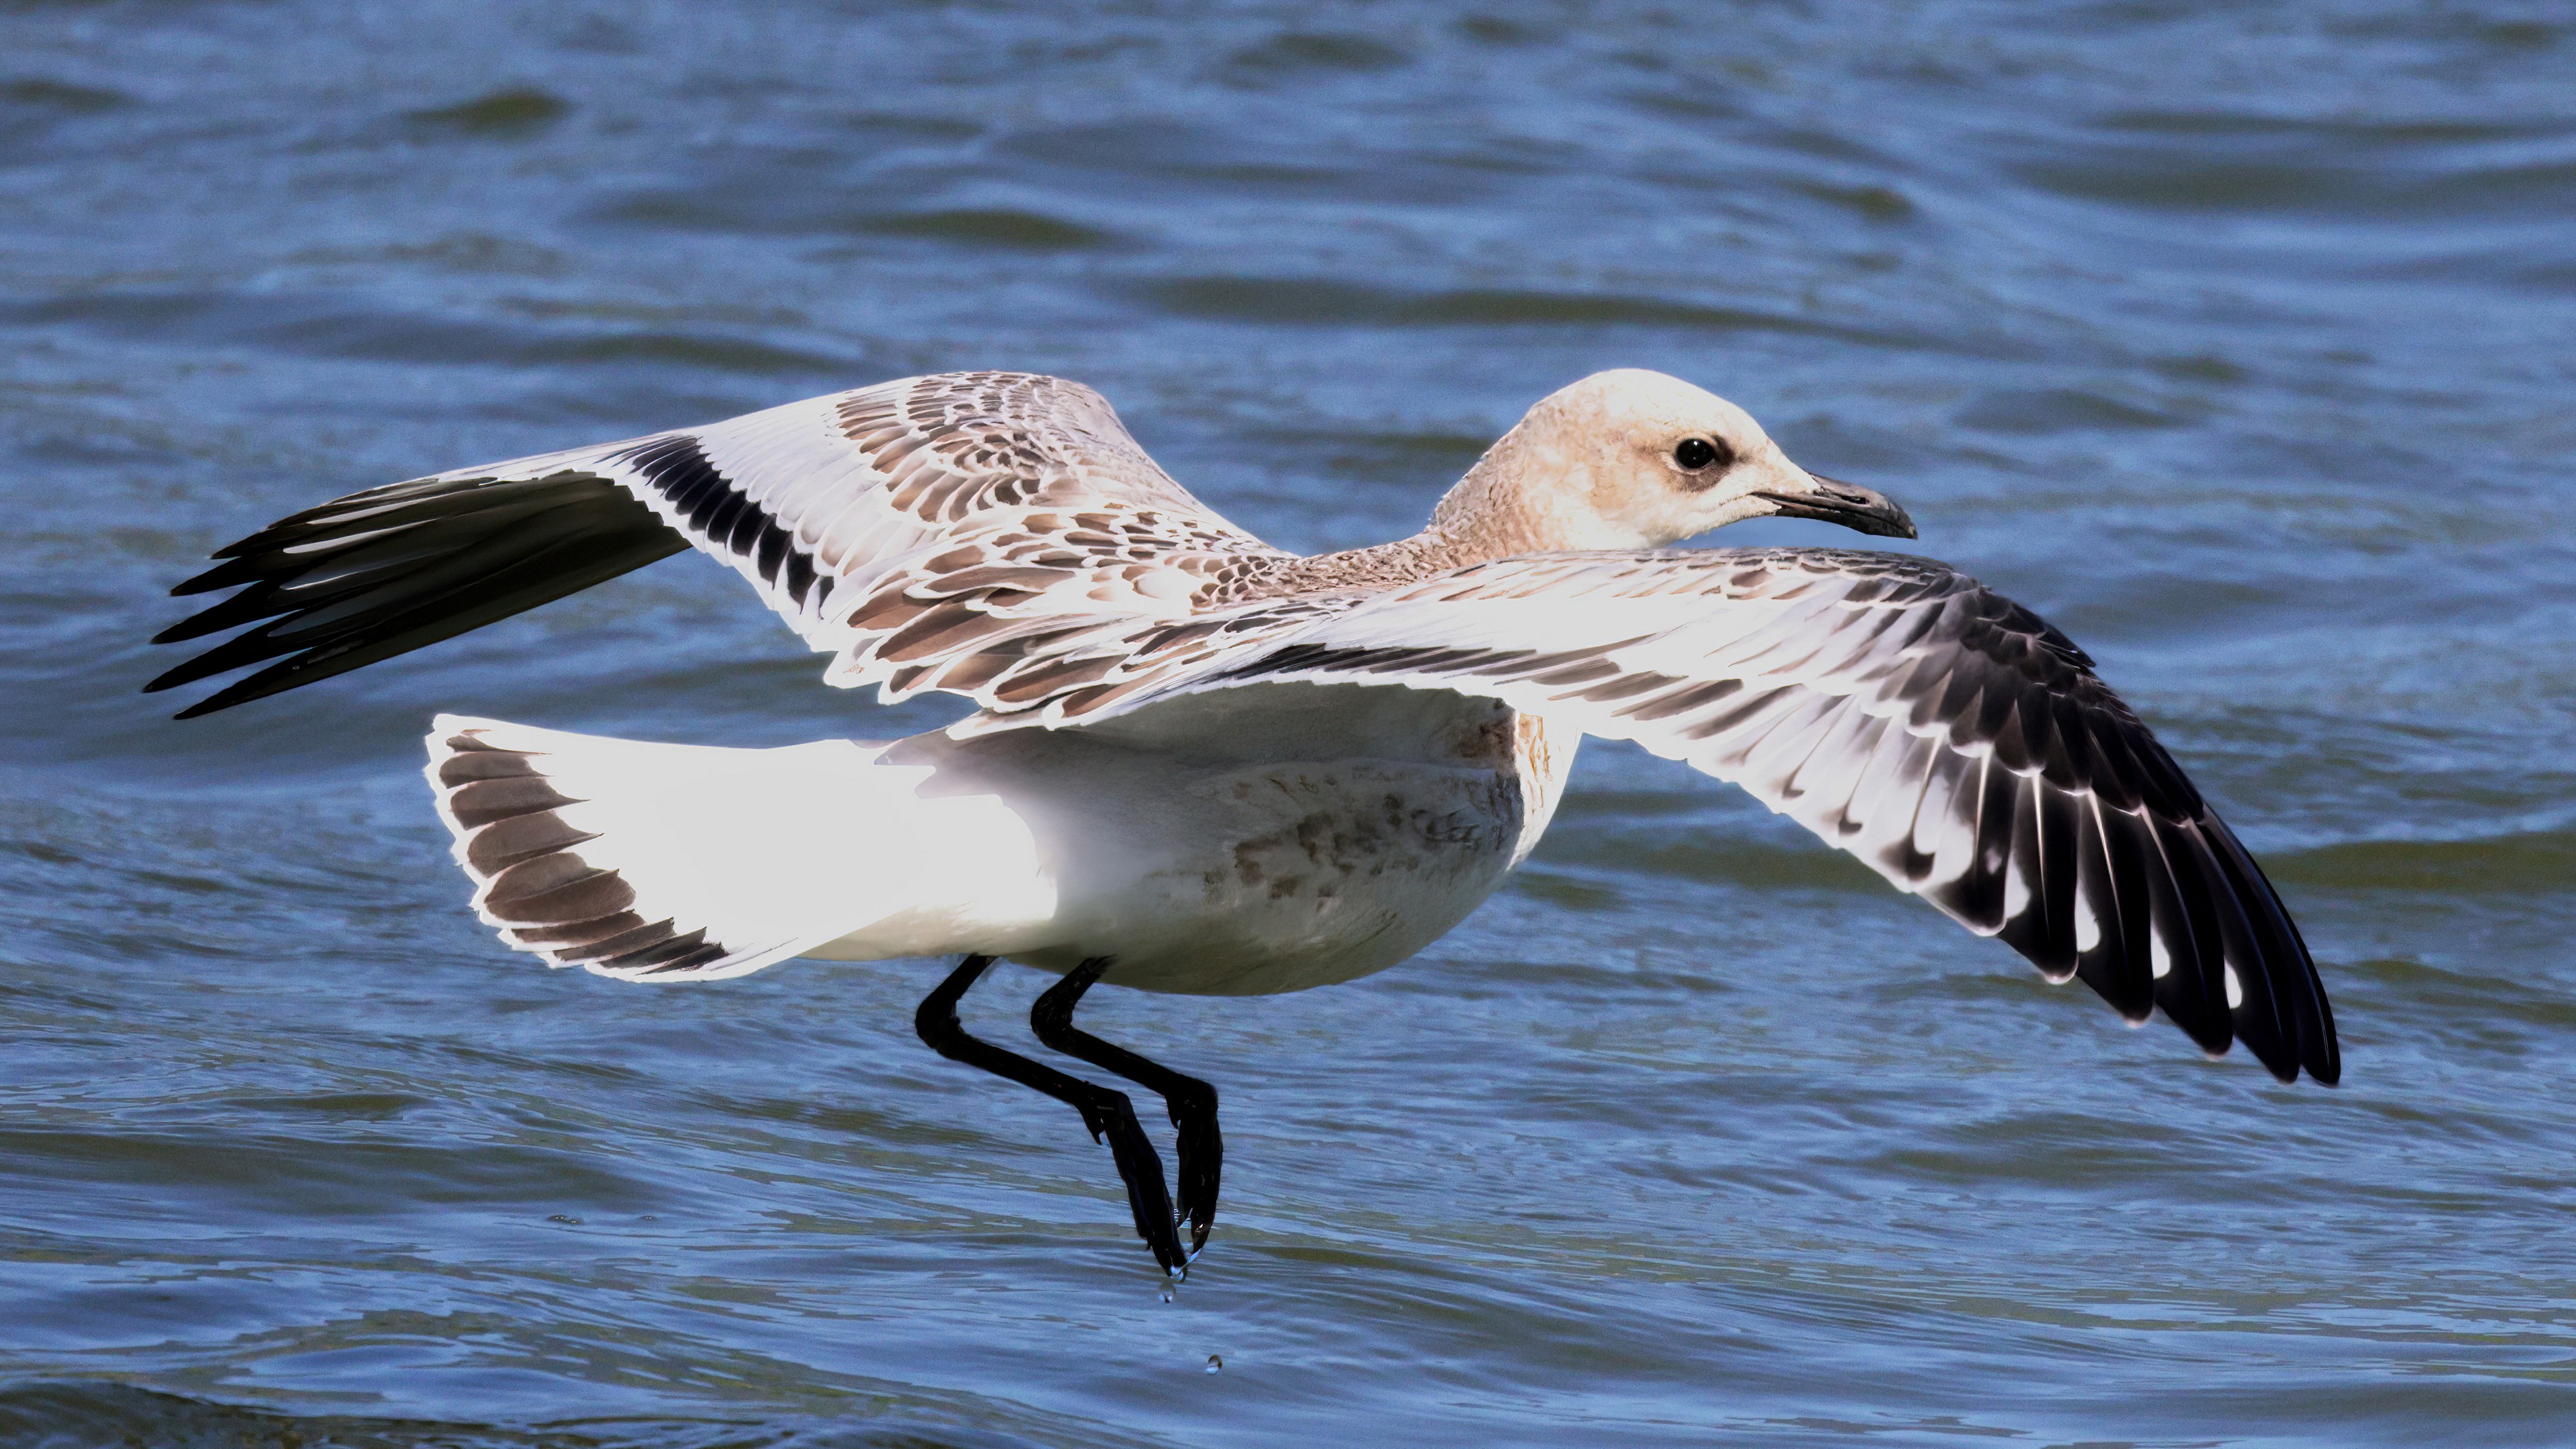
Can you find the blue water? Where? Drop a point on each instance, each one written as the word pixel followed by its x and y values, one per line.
pixel 2237 339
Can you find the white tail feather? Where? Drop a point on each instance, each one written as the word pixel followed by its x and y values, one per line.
pixel 669 862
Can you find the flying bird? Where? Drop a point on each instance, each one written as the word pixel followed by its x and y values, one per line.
pixel 1202 764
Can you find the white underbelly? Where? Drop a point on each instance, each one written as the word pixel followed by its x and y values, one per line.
pixel 1213 876
pixel 1286 876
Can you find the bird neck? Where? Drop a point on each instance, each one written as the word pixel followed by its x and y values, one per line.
pixel 1489 514
pixel 1499 508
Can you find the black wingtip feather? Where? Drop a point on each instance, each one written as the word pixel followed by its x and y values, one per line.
pixel 2192 991
pixel 2292 979
pixel 231 573
pixel 471 552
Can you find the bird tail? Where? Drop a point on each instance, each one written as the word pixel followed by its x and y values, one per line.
pixel 658 862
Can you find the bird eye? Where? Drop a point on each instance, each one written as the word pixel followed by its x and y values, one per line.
pixel 1693 454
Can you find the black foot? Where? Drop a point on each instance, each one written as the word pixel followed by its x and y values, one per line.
pixel 1190 1102
pixel 1107 1112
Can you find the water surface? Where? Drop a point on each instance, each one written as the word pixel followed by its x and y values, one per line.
pixel 2238 340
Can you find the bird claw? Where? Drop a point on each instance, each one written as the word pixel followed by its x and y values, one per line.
pixel 1141 1168
pixel 1201 1152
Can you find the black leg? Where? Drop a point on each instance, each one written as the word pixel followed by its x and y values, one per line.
pixel 1191 1102
pixel 1106 1112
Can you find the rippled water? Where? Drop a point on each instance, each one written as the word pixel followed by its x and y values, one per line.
pixel 2238 339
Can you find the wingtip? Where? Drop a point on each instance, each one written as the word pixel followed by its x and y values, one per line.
pixel 2326 1071
pixel 227 573
pixel 259 685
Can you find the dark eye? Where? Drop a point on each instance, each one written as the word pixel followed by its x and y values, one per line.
pixel 1693 454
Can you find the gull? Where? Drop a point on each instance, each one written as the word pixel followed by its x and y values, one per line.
pixel 1198 763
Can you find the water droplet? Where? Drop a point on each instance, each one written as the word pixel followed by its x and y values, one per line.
pixel 1215 1363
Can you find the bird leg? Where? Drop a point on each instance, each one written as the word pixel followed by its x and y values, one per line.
pixel 1191 1102
pixel 1108 1113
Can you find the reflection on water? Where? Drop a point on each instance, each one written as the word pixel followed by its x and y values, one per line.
pixel 2234 340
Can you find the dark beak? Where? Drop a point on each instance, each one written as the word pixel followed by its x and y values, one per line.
pixel 1849 504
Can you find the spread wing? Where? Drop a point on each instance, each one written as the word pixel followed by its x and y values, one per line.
pixel 931 526
pixel 1948 737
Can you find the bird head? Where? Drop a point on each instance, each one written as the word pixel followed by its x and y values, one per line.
pixel 1639 459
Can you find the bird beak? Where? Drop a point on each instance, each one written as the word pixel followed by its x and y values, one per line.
pixel 1832 500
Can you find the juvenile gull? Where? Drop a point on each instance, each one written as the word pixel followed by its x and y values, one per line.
pixel 1201 764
